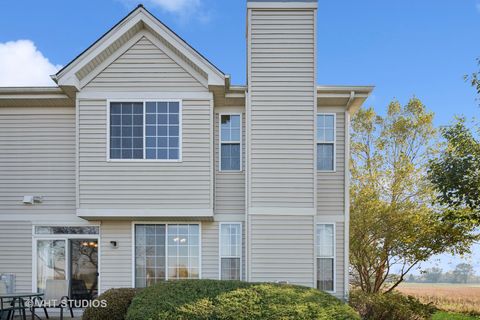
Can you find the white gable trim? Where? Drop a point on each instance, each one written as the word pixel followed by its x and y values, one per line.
pixel 67 77
pixel 130 43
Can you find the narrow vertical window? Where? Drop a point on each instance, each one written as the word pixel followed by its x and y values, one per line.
pixel 325 257
pixel 230 251
pixel 325 142
pixel 230 142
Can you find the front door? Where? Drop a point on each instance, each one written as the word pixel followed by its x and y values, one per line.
pixel 83 269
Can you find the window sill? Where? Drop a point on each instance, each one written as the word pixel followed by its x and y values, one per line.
pixel 143 160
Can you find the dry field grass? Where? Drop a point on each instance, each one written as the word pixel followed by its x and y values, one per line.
pixel 448 297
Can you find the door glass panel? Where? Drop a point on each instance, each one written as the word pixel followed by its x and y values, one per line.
pixel 50 262
pixel 83 269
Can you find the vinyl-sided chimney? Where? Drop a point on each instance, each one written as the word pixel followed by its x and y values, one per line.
pixel 281 108
pixel 281 85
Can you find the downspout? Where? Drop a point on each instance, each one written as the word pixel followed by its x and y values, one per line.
pixel 347 195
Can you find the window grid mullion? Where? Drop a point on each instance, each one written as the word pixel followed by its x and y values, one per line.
pixel 144 130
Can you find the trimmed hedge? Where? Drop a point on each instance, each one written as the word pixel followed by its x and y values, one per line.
pixel 389 306
pixel 117 303
pixel 232 300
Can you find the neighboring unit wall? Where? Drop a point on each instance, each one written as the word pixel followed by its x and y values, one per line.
pixel 282 249
pixel 145 184
pixel 16 252
pixel 229 186
pixel 37 157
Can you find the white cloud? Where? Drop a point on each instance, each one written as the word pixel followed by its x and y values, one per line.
pixel 176 6
pixel 21 64
pixel 184 10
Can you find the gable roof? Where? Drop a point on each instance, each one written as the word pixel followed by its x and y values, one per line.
pixel 95 58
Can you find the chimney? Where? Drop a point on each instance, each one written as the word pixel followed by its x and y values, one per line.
pixel 281 112
pixel 282 102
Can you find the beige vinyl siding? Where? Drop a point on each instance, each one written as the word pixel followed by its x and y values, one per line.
pixel 37 157
pixel 16 252
pixel 144 67
pixel 229 186
pixel 115 263
pixel 331 185
pixel 282 85
pixel 282 249
pixel 339 260
pixel 210 250
pixel 143 184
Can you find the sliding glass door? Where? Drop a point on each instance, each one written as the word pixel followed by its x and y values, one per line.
pixel 51 257
pixel 83 269
pixel 70 254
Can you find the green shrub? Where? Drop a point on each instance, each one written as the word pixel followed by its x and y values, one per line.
pixel 232 300
pixel 389 306
pixel 117 303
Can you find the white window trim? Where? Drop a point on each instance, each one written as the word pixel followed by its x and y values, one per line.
pixel 334 255
pixel 144 101
pixel 134 223
pixel 228 142
pixel 334 141
pixel 65 237
pixel 220 249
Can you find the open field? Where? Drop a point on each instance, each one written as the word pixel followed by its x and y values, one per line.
pixel 449 297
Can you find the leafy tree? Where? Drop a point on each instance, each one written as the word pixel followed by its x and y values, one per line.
pixel 393 224
pixel 456 173
pixel 433 275
pixel 463 272
pixel 474 78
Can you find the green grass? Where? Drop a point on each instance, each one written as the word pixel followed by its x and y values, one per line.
pixel 452 316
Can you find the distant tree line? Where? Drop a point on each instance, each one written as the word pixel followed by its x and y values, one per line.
pixel 463 273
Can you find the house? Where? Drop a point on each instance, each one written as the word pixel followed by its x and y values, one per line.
pixel 145 163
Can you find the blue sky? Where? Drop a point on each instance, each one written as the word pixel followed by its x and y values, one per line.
pixel 404 48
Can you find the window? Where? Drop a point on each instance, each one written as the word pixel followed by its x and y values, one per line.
pixel 145 130
pixel 165 252
pixel 325 257
pixel 230 142
pixel 230 251
pixel 66 230
pixel 326 142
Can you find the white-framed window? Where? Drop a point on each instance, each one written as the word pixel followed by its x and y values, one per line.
pixel 166 252
pixel 145 130
pixel 325 239
pixel 326 141
pixel 230 251
pixel 230 142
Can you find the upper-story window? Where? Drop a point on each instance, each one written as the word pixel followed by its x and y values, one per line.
pixel 230 142
pixel 148 130
pixel 326 142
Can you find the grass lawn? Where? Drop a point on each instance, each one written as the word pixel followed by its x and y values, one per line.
pixel 452 316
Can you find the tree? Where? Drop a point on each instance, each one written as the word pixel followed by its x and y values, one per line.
pixel 474 78
pixel 463 272
pixel 393 223
pixel 433 275
pixel 455 173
